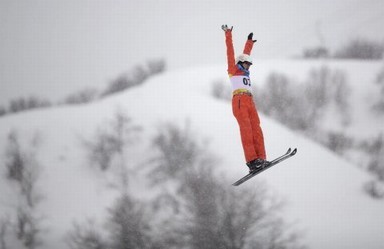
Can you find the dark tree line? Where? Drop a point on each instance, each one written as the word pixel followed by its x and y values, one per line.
pixel 193 207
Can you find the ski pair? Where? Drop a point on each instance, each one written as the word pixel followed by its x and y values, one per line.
pixel 287 155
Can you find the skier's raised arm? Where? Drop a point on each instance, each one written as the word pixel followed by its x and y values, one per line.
pixel 230 50
pixel 249 44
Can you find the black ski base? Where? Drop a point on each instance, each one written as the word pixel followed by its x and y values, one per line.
pixel 287 155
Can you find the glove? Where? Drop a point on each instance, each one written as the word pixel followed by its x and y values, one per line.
pixel 250 36
pixel 225 28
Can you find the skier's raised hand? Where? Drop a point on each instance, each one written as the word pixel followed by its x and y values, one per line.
pixel 225 28
pixel 250 36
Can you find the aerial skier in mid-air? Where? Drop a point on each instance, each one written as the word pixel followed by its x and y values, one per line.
pixel 244 108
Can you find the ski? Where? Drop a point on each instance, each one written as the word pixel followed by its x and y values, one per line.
pixel 287 155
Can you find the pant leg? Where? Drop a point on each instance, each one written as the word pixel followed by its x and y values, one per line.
pixel 240 108
pixel 258 137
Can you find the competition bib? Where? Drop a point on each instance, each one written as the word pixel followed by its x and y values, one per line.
pixel 241 82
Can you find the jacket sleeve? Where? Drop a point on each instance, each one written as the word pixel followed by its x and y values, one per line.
pixel 248 47
pixel 230 53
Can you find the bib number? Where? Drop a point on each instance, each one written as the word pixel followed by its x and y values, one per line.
pixel 247 81
pixel 240 82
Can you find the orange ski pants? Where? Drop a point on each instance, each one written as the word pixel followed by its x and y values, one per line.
pixel 252 139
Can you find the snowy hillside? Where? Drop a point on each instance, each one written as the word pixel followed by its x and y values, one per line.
pixel 322 192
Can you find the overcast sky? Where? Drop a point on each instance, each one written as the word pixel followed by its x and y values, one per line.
pixel 50 48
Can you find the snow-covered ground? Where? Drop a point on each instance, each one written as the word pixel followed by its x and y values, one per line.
pixel 323 192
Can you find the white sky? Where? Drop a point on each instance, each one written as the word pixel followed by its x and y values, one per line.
pixel 50 48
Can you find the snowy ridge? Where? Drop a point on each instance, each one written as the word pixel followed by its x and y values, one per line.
pixel 323 192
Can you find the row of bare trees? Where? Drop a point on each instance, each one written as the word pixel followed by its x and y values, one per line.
pixel 301 105
pixel 131 78
pixel 357 48
pixel 192 208
pixel 192 205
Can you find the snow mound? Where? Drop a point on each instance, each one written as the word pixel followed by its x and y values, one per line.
pixel 323 192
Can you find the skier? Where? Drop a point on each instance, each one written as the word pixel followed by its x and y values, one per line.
pixel 243 107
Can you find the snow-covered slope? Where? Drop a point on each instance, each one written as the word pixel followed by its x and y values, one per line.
pixel 323 192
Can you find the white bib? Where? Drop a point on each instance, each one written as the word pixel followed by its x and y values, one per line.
pixel 241 82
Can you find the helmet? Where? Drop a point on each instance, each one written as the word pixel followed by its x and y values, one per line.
pixel 244 58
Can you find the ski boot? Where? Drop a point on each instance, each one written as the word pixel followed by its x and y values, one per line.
pixel 256 164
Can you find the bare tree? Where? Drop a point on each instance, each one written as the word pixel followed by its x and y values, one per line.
pixel 109 147
pixel 28 227
pixel 375 150
pixel 135 76
pixel 326 87
pixel 286 101
pixel 316 52
pixel 84 96
pixel 3 111
pixel 129 224
pixel 221 89
pixel 4 224
pixel 376 165
pixel 360 48
pixel 379 105
pixel 22 168
pixel 338 141
pixel 156 66
pixel 177 152
pixel 86 236
pixel 22 104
